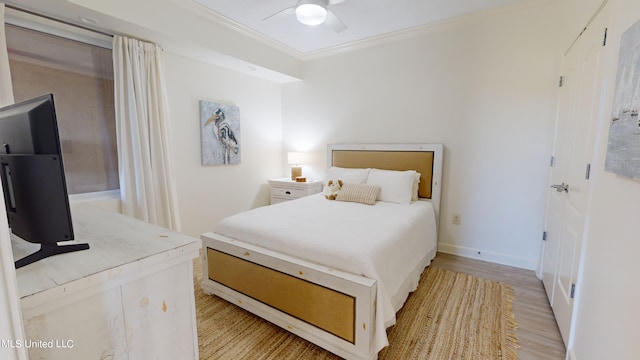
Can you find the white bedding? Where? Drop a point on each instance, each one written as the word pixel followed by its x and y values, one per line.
pixel 391 243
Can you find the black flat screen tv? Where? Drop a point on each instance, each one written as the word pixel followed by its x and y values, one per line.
pixel 33 181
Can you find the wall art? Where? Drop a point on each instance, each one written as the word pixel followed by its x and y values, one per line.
pixel 623 152
pixel 220 131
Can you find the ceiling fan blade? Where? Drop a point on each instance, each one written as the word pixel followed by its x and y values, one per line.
pixel 334 22
pixel 333 2
pixel 282 13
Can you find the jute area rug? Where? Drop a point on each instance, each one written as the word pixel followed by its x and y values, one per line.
pixel 450 316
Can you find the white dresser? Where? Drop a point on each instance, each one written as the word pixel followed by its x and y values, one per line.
pixel 285 189
pixel 130 296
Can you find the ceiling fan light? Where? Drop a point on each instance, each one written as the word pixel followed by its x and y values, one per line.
pixel 311 14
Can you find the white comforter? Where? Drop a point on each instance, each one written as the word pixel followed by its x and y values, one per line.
pixel 388 242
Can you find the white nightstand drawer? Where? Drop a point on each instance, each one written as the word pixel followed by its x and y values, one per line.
pixel 285 189
pixel 288 192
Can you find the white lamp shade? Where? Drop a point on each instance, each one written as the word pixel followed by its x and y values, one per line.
pixel 311 14
pixel 296 158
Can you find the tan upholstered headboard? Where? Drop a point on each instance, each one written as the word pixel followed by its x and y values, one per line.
pixel 420 161
pixel 427 159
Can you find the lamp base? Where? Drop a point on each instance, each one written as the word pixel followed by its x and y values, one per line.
pixel 296 171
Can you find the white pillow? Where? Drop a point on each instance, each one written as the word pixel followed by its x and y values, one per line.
pixel 347 175
pixel 395 186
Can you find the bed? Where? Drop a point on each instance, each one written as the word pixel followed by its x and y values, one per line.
pixel 333 272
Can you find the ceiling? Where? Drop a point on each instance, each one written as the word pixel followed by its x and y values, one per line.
pixel 365 19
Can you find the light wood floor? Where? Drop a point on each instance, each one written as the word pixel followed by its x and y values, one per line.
pixel 538 334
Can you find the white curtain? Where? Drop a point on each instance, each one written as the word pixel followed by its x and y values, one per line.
pixel 147 180
pixel 11 328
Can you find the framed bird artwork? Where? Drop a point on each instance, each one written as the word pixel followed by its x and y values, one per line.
pixel 220 131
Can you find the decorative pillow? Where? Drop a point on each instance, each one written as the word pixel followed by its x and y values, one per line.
pixel 361 193
pixel 395 186
pixel 347 175
pixel 416 187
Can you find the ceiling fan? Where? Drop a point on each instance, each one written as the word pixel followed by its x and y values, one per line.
pixel 313 12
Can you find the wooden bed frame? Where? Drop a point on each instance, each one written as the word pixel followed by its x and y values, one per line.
pixel 330 308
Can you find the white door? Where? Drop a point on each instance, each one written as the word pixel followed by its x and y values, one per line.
pixel 579 103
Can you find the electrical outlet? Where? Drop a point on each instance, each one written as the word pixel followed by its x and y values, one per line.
pixel 456 219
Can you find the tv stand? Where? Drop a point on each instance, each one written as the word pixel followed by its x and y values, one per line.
pixel 49 249
pixel 130 297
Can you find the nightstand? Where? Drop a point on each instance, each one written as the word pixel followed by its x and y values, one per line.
pixel 285 189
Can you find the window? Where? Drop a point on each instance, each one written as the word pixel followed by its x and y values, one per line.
pixel 80 76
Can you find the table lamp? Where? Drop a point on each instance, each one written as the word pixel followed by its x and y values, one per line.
pixel 295 159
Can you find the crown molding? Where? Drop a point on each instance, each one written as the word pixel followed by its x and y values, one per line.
pixel 387 38
pixel 430 28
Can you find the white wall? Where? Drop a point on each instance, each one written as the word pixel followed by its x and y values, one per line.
pixel 607 317
pixel 206 194
pixel 482 85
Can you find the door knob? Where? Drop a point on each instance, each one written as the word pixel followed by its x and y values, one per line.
pixel 562 187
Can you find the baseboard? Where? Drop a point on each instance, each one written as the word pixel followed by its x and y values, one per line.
pixel 479 254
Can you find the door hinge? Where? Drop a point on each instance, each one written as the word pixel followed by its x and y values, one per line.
pixel 561 81
pixel 604 37
pixel 573 290
pixel 544 236
pixel 552 161
pixel 588 173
